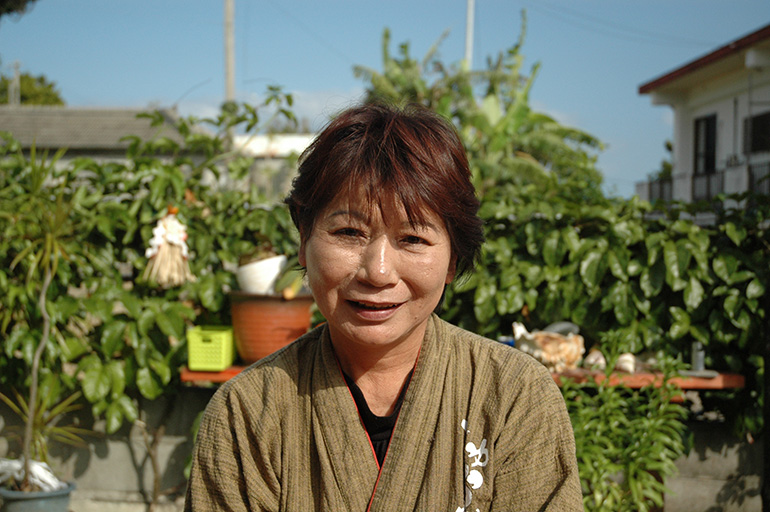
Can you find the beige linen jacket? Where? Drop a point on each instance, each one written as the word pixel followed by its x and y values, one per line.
pixel 482 427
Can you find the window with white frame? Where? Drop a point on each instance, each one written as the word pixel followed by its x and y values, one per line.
pixel 756 134
pixel 706 144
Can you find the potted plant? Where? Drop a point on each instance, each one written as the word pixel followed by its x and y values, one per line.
pixel 35 214
pixel 32 485
pixel 272 307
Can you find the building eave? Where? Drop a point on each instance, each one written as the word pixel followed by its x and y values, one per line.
pixel 718 56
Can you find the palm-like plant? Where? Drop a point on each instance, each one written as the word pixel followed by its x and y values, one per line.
pixel 48 413
pixel 37 216
pixel 508 144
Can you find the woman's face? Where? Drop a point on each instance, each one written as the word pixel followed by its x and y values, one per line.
pixel 375 278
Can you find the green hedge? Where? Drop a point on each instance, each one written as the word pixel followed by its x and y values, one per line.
pixel 118 338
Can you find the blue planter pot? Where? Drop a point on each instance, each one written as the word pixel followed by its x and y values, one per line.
pixel 54 501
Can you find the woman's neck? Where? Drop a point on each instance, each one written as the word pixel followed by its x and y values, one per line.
pixel 379 376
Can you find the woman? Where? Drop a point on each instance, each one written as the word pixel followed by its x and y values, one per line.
pixel 385 406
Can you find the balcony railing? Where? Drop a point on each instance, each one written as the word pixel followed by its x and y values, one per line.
pixel 660 189
pixel 706 186
pixel 759 179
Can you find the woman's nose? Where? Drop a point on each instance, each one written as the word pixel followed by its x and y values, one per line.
pixel 378 263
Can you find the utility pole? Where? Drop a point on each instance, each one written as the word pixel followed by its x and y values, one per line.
pixel 14 87
pixel 229 51
pixel 469 33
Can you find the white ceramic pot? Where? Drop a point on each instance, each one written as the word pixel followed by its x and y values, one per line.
pixel 260 276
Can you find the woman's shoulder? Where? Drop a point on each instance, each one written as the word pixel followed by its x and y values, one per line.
pixel 274 376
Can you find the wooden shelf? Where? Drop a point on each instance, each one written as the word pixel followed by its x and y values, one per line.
pixel 190 376
pixel 632 380
pixel 639 380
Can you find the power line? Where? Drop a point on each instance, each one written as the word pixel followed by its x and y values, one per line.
pixel 598 25
pixel 312 33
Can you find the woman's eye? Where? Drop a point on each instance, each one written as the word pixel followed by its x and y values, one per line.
pixel 414 240
pixel 348 232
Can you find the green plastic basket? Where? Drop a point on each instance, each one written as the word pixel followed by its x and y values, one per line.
pixel 210 349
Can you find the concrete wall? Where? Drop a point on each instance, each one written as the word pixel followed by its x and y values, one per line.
pixel 720 474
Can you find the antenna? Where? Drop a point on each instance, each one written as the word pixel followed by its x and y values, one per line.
pixel 14 87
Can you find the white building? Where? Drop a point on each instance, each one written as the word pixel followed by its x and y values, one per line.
pixel 275 157
pixel 721 139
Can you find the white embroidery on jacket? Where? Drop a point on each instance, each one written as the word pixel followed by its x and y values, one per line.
pixel 478 457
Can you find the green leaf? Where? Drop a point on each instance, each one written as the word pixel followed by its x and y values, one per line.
pixel 74 348
pixel 700 333
pixel 553 249
pixel 652 279
pixel 731 305
pixel 737 235
pixel 724 266
pixel 681 324
pixel 117 378
pixel 132 303
pixel 693 294
pixel 112 337
pixel 490 107
pixel 207 292
pixel 166 325
pixel 755 289
pixel 672 257
pixel 622 303
pixel 162 370
pixel 617 268
pixel 148 386
pixel 96 384
pixel 533 276
pixel 146 321
pixel 742 321
pixel 591 269
pixel 532 239
pixel 130 411
pixel 114 417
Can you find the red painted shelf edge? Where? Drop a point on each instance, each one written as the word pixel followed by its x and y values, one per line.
pixel 638 380
pixel 187 375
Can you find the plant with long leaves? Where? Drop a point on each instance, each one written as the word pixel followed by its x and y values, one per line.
pixel 40 220
pixel 49 412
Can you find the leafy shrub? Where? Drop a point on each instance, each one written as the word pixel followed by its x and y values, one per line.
pixel 119 339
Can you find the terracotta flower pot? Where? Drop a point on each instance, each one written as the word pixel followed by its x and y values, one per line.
pixel 263 324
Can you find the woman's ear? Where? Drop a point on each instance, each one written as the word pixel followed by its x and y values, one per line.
pixel 301 253
pixel 450 275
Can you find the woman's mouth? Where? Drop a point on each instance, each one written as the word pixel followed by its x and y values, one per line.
pixel 375 306
pixel 375 311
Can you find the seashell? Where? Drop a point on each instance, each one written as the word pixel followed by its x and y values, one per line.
pixel 556 351
pixel 595 360
pixel 626 363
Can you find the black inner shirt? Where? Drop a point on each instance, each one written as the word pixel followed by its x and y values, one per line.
pixel 379 428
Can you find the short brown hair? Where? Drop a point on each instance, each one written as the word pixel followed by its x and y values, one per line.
pixel 410 154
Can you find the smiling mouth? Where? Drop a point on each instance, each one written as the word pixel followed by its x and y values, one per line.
pixel 374 307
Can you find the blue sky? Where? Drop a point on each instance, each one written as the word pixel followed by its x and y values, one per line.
pixel 594 54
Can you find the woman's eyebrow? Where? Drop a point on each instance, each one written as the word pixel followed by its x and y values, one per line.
pixel 419 225
pixel 349 213
pixel 363 217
